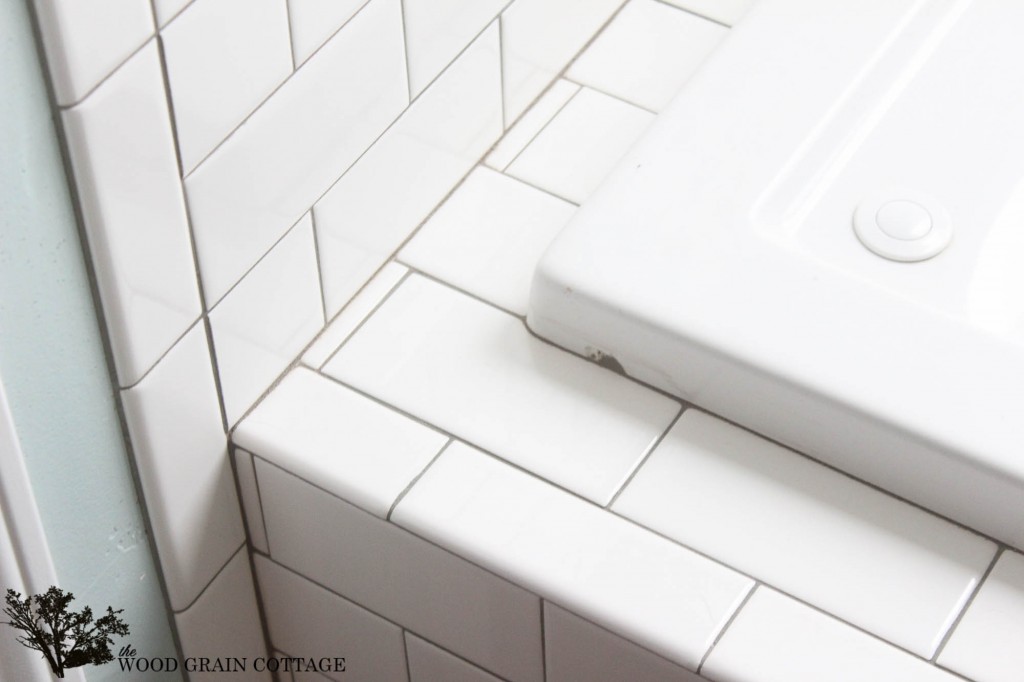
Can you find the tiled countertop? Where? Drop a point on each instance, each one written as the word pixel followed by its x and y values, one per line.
pixel 427 444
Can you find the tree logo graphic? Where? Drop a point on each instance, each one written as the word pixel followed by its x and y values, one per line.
pixel 67 639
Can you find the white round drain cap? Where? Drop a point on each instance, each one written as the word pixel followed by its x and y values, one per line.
pixel 902 225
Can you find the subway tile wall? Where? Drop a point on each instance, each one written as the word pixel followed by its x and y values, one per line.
pixel 243 169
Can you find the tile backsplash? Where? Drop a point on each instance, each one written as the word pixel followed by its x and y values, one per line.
pixel 243 168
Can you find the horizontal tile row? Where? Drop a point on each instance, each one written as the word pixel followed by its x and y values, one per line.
pixel 475 372
pixel 616 574
pixel 853 551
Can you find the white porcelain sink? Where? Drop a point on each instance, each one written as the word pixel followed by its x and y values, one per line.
pixel 720 262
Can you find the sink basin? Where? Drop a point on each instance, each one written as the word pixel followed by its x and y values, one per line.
pixel 822 239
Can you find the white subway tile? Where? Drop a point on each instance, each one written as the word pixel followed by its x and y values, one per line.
pixel 870 559
pixel 477 373
pixel 776 639
pixel 273 168
pixel 581 145
pixel 531 123
pixel 727 12
pixel 181 453
pixel 223 58
pixel 625 578
pixel 576 649
pixel 488 236
pixel 168 9
pixel 86 41
pixel 353 314
pixel 405 579
pixel 264 322
pixel 437 30
pixel 250 492
pixel 122 153
pixel 427 663
pixel 539 38
pixel 310 622
pixel 313 22
pixel 986 645
pixel 647 52
pixel 225 623
pixel 343 442
pixel 388 193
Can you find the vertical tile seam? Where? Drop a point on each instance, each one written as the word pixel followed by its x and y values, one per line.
pixel 99 315
pixel 405 654
pixel 948 635
pixel 405 47
pixel 693 12
pixel 291 39
pixel 725 627
pixel 646 455
pixel 542 128
pixel 416 478
pixel 257 590
pixel 319 274
pixel 190 233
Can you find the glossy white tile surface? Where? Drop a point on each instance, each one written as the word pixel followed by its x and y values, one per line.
pixel 168 9
pixel 488 236
pixel 308 621
pixel 363 219
pixel 870 559
pixel 223 58
pixel 343 442
pixel 126 172
pixel 437 30
pixel 576 649
pixel 272 169
pixel 224 622
pixel 646 53
pixel 539 38
pixel 477 373
pixel 531 123
pixel 623 577
pixel 250 493
pixel 263 324
pixel 181 452
pixel 403 578
pixel 427 663
pixel 986 644
pixel 777 639
pixel 314 21
pixel 353 314
pixel 581 145
pixel 86 41
pixel 728 12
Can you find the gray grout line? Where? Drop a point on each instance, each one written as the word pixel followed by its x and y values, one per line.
pixel 967 605
pixel 405 654
pixel 695 13
pixel 258 596
pixel 212 580
pixel 531 185
pixel 543 643
pixel 501 74
pixel 259 494
pixel 140 48
pixel 728 623
pixel 619 98
pixel 454 287
pixel 291 36
pixel 156 363
pixel 288 655
pixel 363 321
pixel 417 477
pixel 542 128
pixel 644 457
pixel 319 270
pixel 405 49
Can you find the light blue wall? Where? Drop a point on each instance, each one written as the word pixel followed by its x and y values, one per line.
pixel 54 370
